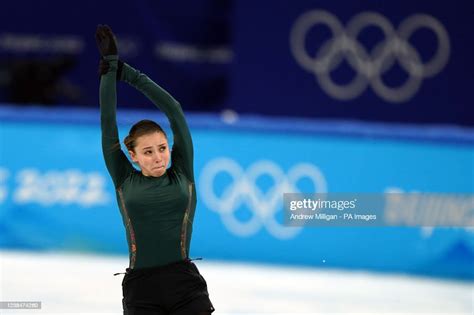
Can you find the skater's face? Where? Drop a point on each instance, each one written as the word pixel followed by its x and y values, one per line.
pixel 151 153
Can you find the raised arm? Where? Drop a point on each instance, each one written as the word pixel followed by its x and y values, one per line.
pixel 182 153
pixel 117 163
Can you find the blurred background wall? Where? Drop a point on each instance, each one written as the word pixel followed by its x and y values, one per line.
pixel 369 60
pixel 281 96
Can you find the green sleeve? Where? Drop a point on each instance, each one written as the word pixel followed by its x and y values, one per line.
pixel 182 153
pixel 116 161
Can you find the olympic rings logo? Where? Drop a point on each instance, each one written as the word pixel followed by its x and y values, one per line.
pixel 244 191
pixel 369 66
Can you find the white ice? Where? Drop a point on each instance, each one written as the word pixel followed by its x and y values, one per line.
pixel 71 283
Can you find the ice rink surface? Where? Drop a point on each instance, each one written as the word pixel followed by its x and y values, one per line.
pixel 66 283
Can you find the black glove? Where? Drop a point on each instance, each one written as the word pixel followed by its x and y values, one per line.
pixel 106 41
pixel 104 67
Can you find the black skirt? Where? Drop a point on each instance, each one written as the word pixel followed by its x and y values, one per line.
pixel 176 288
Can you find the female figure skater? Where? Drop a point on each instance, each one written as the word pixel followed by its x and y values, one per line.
pixel 157 203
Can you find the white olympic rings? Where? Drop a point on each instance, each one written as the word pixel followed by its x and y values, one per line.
pixel 369 66
pixel 244 191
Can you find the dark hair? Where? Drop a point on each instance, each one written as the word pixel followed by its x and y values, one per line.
pixel 141 128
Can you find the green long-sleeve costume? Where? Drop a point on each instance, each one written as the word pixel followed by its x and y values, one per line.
pixel 157 212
